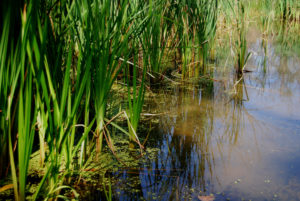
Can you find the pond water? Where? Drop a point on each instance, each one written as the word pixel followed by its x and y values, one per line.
pixel 219 142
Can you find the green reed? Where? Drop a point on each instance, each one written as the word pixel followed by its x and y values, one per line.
pixel 6 79
pixel 195 28
pixel 22 62
pixel 242 54
pixel 206 13
pixel 135 98
pixel 288 9
pixel 153 38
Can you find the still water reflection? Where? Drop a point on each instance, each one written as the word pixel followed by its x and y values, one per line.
pixel 235 144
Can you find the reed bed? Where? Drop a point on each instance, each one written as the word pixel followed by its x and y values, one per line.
pixel 60 60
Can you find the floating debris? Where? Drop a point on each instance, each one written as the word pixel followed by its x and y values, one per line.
pixel 206 197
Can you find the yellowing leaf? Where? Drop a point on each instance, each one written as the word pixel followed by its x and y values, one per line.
pixel 6 187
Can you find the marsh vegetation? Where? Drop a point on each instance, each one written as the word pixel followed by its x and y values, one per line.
pixel 149 100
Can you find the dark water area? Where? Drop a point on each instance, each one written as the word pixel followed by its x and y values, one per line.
pixel 223 142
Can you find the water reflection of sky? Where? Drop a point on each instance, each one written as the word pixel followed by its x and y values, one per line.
pixel 240 148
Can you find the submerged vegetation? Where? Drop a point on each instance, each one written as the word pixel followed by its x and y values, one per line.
pixel 60 61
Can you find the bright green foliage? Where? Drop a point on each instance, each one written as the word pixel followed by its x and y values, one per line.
pixel 196 28
pixel 154 38
pixel 288 9
pixel 135 99
pixel 241 42
pixel 6 75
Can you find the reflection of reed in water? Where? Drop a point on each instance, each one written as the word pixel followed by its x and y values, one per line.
pixel 189 137
pixel 236 116
pixel 192 139
pixel 238 125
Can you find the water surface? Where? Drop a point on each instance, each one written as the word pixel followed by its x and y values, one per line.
pixel 235 143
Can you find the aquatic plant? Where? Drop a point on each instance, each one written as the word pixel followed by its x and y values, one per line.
pixel 195 28
pixel 242 54
pixel 135 98
pixel 108 30
pixel 154 38
pixel 6 80
pixel 22 70
pixel 108 194
pixel 206 13
pixel 266 15
pixel 288 9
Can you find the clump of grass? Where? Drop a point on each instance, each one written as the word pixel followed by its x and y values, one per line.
pixel 136 96
pixel 242 54
pixel 154 38
pixel 196 28
pixel 288 9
